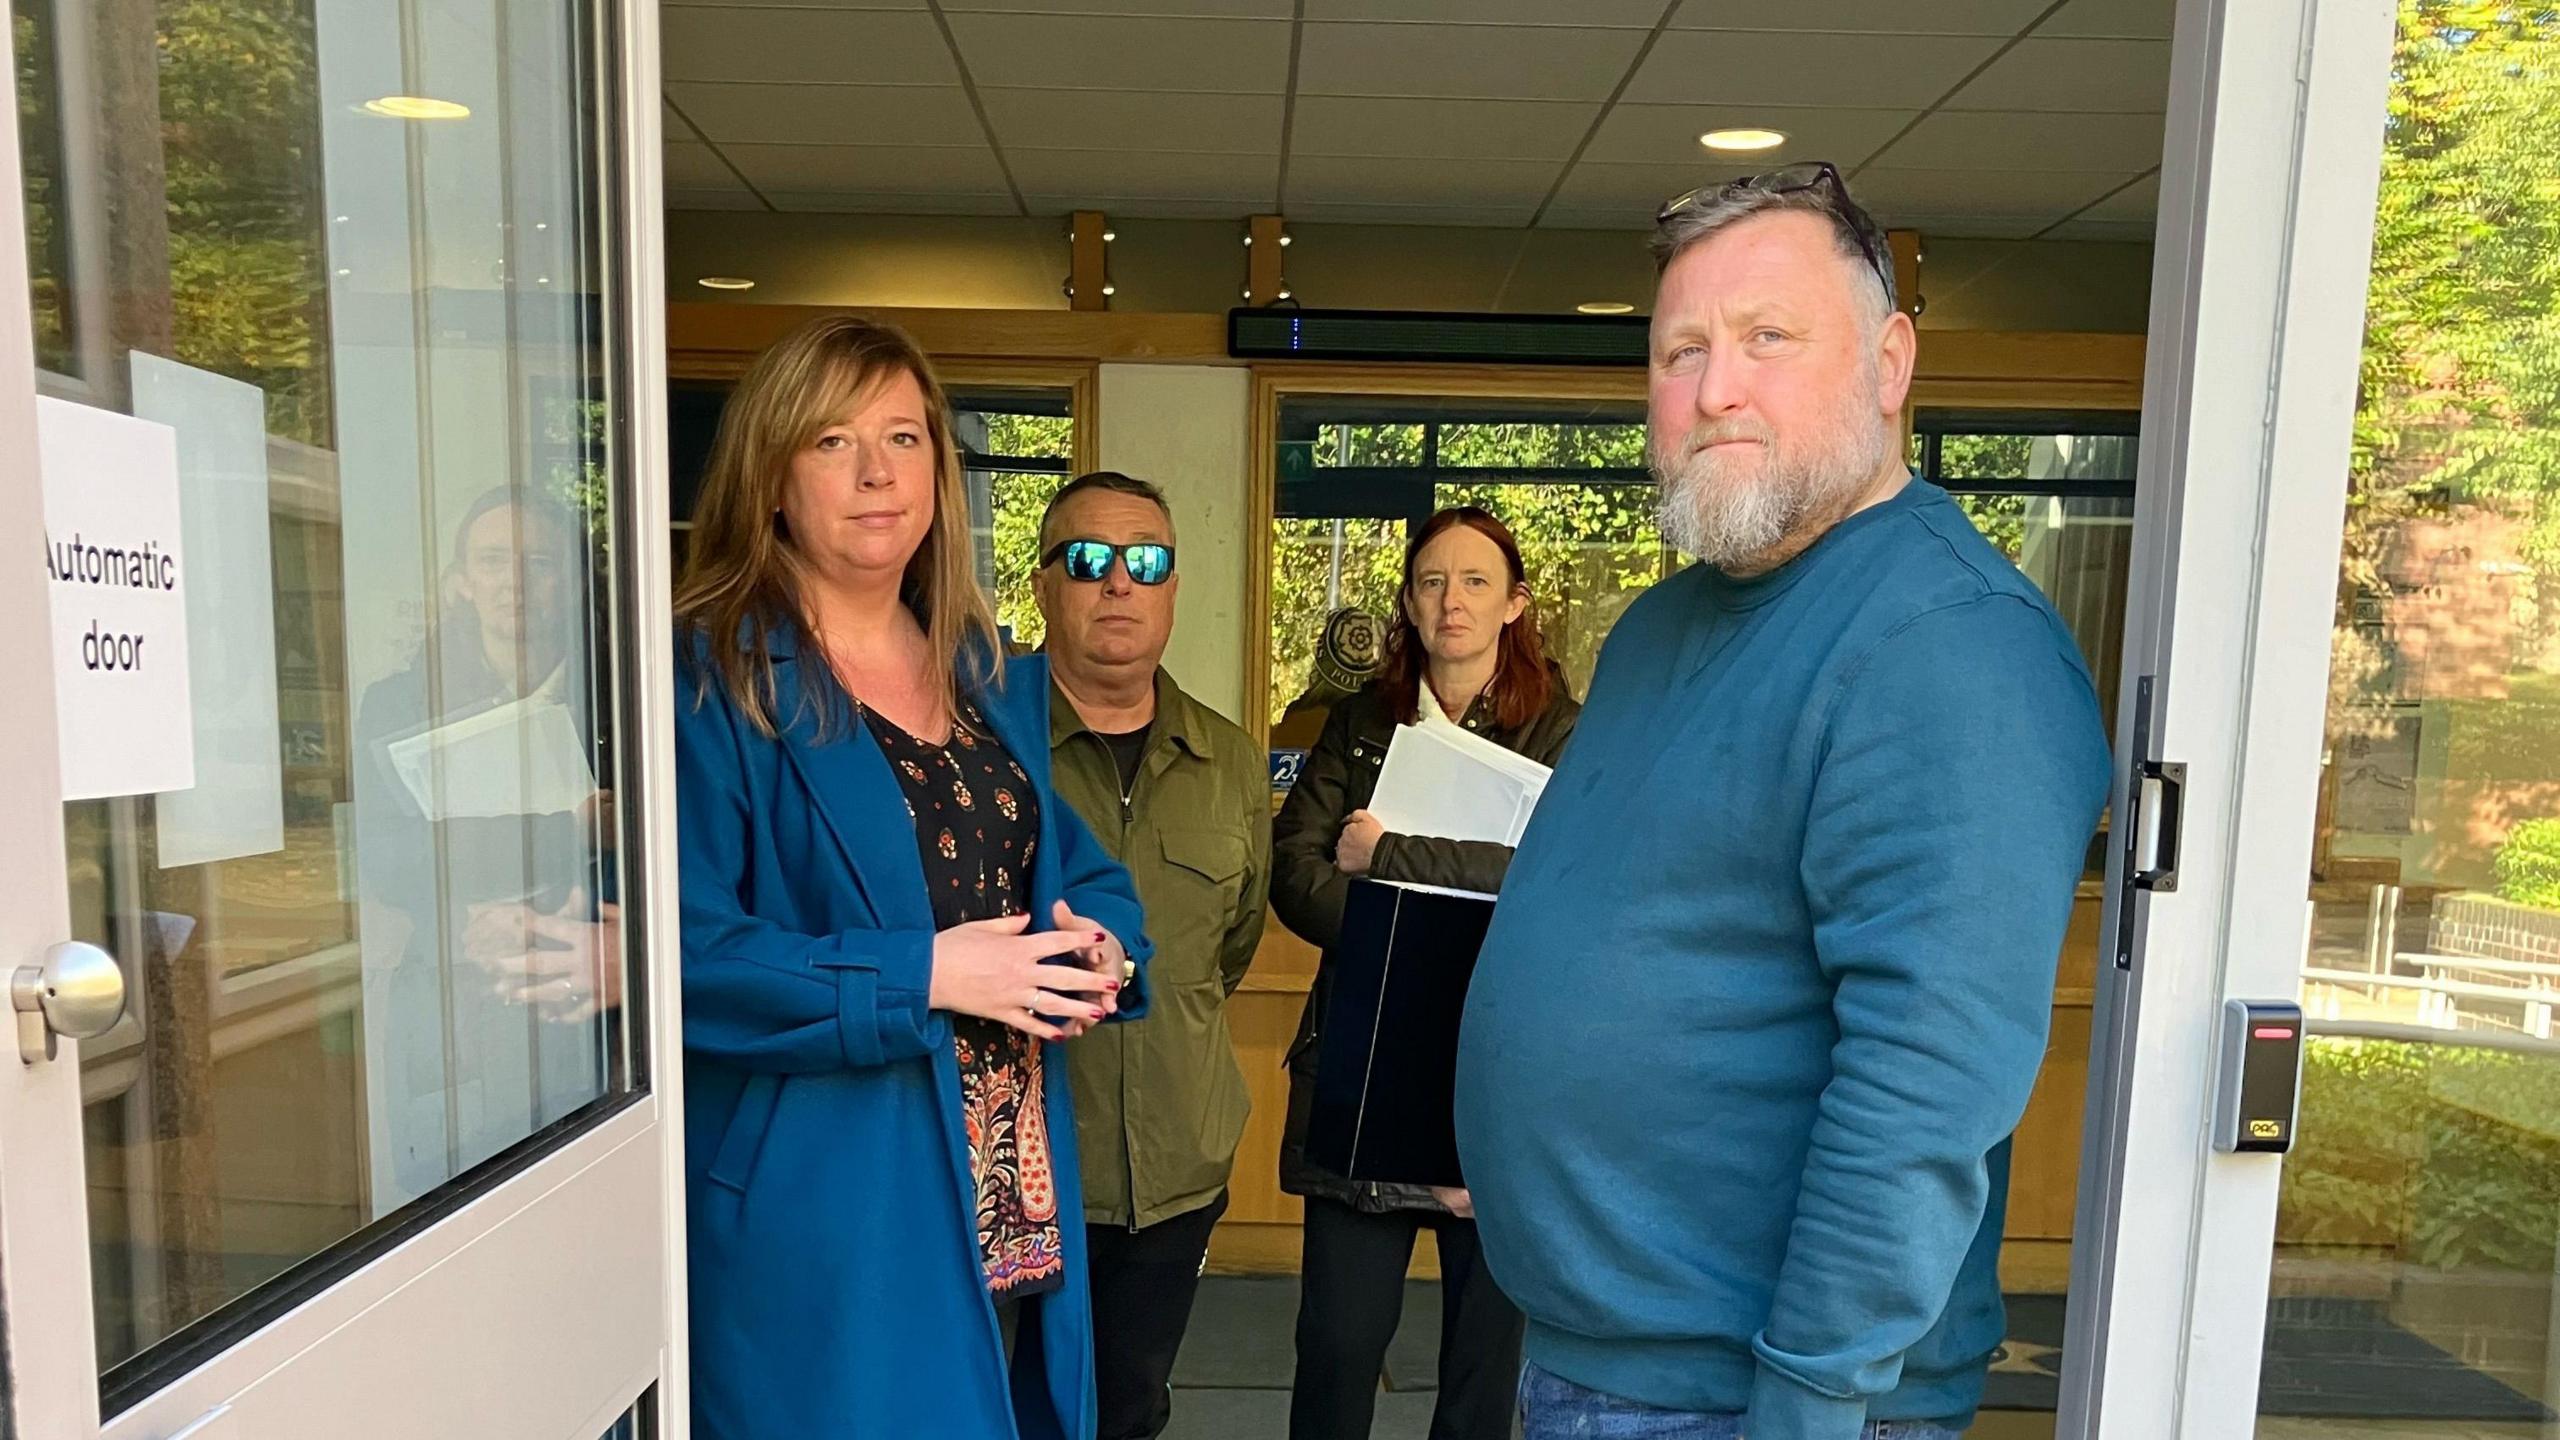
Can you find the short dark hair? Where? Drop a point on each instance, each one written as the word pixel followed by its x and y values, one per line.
pixel 1110 480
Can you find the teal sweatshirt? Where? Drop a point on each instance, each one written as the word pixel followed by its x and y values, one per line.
pixel 1769 982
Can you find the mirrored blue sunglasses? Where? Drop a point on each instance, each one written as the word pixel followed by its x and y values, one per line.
pixel 1089 560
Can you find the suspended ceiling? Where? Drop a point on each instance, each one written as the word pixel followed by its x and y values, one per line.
pixel 1994 118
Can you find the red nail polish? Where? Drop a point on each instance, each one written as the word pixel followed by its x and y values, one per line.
pixel 1099 937
pixel 1114 985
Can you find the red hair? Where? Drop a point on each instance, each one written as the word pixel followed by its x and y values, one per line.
pixel 1521 683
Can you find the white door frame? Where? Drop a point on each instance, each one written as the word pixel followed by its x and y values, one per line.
pixel 544 1306
pixel 2271 165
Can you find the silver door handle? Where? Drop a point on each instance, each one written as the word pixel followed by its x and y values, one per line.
pixel 76 994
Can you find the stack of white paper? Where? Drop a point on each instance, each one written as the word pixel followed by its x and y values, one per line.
pixel 1447 781
pixel 524 757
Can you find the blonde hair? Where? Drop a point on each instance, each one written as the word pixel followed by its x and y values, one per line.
pixel 743 574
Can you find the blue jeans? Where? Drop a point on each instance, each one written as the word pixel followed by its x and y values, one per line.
pixel 1554 1408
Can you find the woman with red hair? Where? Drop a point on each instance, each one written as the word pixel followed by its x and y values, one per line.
pixel 1466 646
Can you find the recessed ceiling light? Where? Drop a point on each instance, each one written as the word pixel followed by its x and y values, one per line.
pixel 416 107
pixel 1605 307
pixel 1743 138
pixel 725 282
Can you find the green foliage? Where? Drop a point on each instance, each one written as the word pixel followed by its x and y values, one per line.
pixel 2440 1154
pixel 2528 864
pixel 1019 499
pixel 240 132
pixel 1588 550
pixel 40 146
pixel 2002 519
pixel 2460 383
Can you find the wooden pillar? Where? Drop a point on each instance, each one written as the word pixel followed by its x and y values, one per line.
pixel 1266 240
pixel 1089 263
pixel 1906 269
pixel 1905 245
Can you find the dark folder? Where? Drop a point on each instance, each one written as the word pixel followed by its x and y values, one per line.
pixel 1388 1065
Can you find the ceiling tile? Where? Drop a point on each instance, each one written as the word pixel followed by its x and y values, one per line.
pixel 905 169
pixel 1972 227
pixel 734 198
pixel 2139 201
pixel 1870 17
pixel 1765 67
pixel 1135 208
pixel 827 47
pixel 1668 135
pixel 1560 217
pixel 1184 9
pixel 2119 19
pixel 2020 140
pixel 829 114
pixel 1496 216
pixel 2043 196
pixel 1135 120
pixel 1591 14
pixel 1099 175
pixel 1635 191
pixel 2117 231
pixel 2039 74
pixel 1499 62
pixel 888 203
pixel 696 167
pixel 1463 184
pixel 1440 129
pixel 1092 52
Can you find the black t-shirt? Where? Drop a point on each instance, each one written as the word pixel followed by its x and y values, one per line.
pixel 1128 752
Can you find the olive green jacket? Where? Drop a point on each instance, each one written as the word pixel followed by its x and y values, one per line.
pixel 1160 1102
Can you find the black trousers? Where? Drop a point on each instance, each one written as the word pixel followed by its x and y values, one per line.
pixel 1353 1293
pixel 1143 1284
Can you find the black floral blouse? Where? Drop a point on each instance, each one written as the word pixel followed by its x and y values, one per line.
pixel 977 823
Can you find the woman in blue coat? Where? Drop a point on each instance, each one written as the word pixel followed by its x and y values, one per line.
pixel 890 924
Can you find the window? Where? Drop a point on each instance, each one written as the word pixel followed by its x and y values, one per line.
pixel 2054 491
pixel 1355 473
pixel 1017 446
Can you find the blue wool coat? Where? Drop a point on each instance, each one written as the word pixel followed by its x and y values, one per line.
pixel 837 1292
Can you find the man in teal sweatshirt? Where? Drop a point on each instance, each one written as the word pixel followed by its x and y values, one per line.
pixel 1768 984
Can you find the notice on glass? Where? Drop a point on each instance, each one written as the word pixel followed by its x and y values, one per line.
pixel 237 805
pixel 115 564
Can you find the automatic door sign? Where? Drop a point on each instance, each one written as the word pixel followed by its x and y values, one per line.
pixel 117 572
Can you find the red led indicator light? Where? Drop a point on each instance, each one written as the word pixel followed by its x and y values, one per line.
pixel 2272 1032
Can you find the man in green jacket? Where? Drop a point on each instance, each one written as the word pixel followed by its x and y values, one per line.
pixel 1181 796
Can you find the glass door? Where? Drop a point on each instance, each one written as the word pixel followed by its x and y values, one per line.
pixel 2250 438
pixel 339 757
pixel 2415 1283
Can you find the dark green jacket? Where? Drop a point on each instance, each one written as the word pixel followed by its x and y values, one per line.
pixel 1339 776
pixel 1159 1102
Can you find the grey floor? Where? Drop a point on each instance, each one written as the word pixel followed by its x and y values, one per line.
pixel 1232 1380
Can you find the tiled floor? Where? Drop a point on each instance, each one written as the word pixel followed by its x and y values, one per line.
pixel 1232 1381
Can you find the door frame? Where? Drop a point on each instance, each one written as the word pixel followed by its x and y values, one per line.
pixel 572 1256
pixel 2271 166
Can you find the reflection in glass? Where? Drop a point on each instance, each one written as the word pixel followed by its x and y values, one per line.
pixel 2414 1279
pixel 34 42
pixel 419 966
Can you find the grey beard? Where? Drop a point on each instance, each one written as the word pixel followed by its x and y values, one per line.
pixel 1728 522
